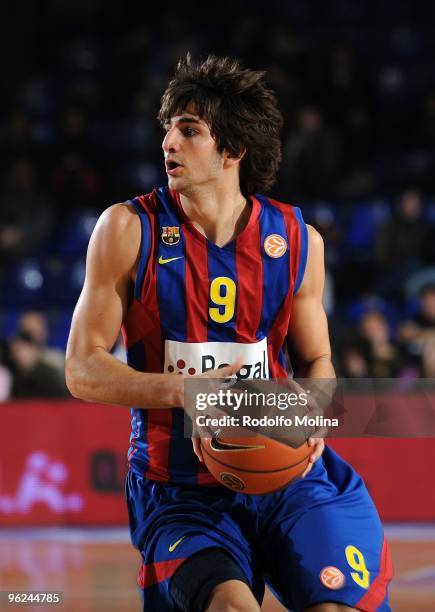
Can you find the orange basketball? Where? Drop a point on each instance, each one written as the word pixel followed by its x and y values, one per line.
pixel 254 464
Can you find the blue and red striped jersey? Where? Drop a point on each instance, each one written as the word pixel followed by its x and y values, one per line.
pixel 197 305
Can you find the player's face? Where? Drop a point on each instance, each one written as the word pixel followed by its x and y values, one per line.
pixel 191 156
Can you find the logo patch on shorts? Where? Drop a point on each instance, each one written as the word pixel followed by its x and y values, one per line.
pixel 332 578
pixel 275 245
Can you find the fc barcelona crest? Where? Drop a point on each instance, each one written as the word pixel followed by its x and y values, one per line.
pixel 171 235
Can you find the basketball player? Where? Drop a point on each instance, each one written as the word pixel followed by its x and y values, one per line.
pixel 204 273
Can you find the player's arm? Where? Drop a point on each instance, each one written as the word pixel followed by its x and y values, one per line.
pixel 92 373
pixel 308 334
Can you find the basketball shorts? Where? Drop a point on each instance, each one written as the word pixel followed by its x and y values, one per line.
pixel 318 540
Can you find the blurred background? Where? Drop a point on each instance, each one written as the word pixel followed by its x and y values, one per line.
pixel 78 132
pixel 82 82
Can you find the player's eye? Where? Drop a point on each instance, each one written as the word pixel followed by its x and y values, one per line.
pixel 189 132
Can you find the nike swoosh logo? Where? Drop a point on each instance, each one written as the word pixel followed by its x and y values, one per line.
pixel 165 261
pixel 175 544
pixel 218 444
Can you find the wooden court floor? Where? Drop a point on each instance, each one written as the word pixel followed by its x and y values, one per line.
pixel 96 569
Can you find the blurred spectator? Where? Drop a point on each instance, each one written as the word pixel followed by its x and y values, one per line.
pixel 358 178
pixel 31 376
pixel 428 359
pixel 5 383
pixel 16 137
pixel 345 81
pixel 26 215
pixel 329 294
pixel 74 134
pixel 415 333
pixel 399 243
pixel 384 360
pixel 324 220
pixel 76 183
pixel 424 131
pixel 5 376
pixel 34 325
pixel 354 362
pixel 359 121
pixel 311 157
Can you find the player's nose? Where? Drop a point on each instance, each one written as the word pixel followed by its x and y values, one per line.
pixel 170 142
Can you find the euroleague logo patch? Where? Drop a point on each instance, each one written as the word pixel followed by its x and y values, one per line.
pixel 275 245
pixel 332 578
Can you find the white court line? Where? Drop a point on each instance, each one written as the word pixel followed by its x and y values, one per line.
pixel 402 532
pixel 406 532
pixel 416 591
pixel 418 574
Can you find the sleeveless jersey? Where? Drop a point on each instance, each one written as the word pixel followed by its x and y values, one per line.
pixel 197 306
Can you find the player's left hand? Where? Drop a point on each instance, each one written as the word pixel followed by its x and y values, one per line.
pixel 318 446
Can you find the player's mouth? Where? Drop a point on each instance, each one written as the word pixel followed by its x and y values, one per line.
pixel 173 168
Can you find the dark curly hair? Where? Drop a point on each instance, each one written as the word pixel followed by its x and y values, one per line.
pixel 240 110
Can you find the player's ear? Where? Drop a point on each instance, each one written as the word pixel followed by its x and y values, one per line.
pixel 230 159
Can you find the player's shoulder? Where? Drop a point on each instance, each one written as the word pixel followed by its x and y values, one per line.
pixel 147 202
pixel 314 236
pixel 287 208
pixel 119 219
pixel 123 218
pixel 115 242
pixel 118 232
pixel 296 212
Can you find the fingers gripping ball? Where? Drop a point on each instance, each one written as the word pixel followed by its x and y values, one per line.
pixel 254 464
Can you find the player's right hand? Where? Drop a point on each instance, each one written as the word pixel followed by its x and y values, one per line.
pixel 225 372
pixel 219 373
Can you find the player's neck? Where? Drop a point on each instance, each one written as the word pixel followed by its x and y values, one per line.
pixel 219 215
